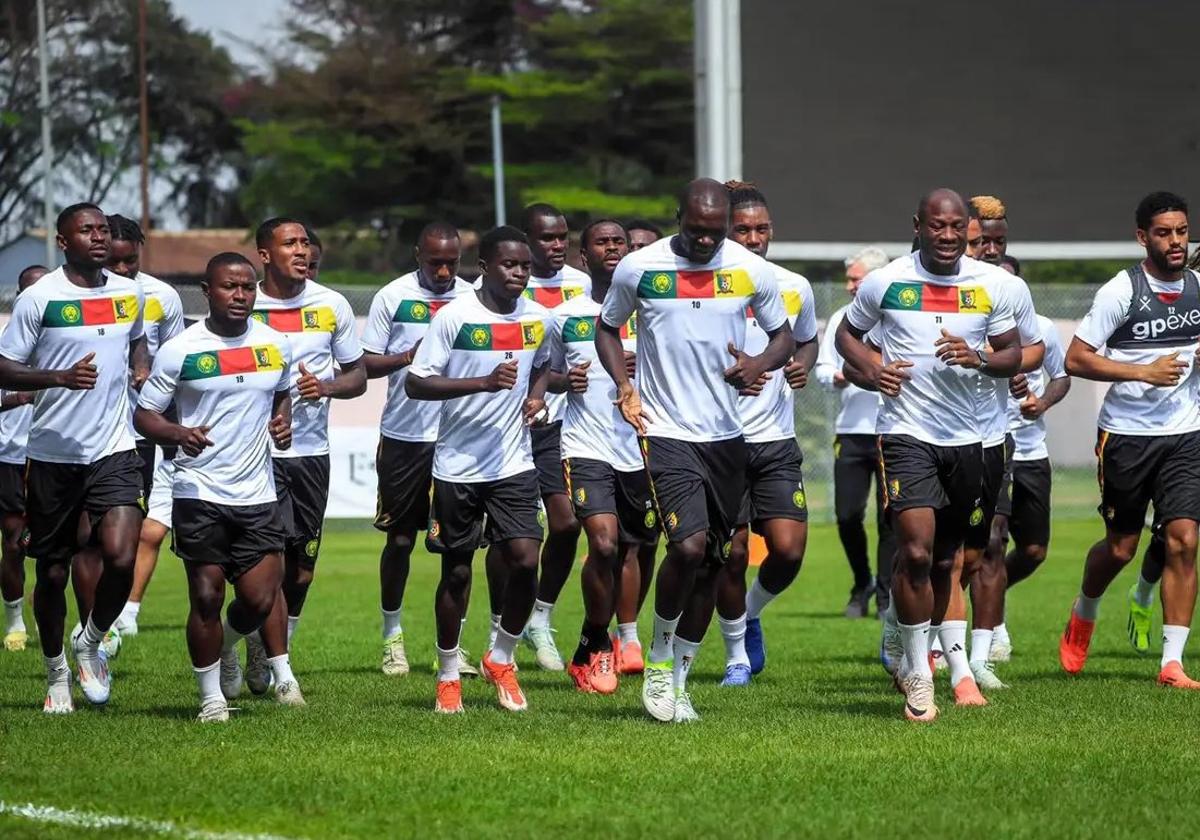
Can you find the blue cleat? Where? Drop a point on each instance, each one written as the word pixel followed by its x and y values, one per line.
pixel 756 646
pixel 736 675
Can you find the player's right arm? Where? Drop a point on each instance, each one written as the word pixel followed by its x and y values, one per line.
pixel 828 369
pixel 863 365
pixel 17 346
pixel 619 306
pixel 156 395
pixel 426 379
pixel 376 334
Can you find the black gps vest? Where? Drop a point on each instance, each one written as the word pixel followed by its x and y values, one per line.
pixel 1153 323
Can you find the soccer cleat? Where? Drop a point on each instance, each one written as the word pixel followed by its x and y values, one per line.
pixel 58 698
pixel 985 676
pixel 504 677
pixel 94 678
pixel 258 669
pixel 1172 676
pixel 395 660
pixel 288 694
pixel 859 605
pixel 891 646
pixel 756 645
pixel 685 712
pixel 14 640
pixel 658 691
pixel 214 711
pixel 1139 623
pixel 231 675
pixel 736 674
pixel 630 660
pixel 541 639
pixel 580 676
pixel 937 661
pixel 966 693
pixel 465 669
pixel 883 599
pixel 449 697
pixel 111 643
pixel 602 674
pixel 1001 649
pixel 919 705
pixel 1073 646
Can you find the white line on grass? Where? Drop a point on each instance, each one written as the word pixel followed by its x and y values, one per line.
pixel 91 819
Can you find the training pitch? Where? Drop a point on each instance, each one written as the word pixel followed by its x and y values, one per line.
pixel 815 746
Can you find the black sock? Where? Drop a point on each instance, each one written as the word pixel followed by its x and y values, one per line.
pixel 593 639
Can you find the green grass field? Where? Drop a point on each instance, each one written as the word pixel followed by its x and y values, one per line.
pixel 816 746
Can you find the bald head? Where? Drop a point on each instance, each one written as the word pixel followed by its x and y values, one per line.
pixel 939 200
pixel 703 220
pixel 704 192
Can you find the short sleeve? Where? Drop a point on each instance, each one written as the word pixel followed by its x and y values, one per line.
pixel 434 352
pixel 1109 310
pixel 378 330
pixel 766 303
pixel 285 375
pixel 24 328
pixel 172 320
pixel 805 328
pixel 1003 316
pixel 138 328
pixel 346 347
pixel 1023 312
pixel 829 361
pixel 159 389
pixel 621 301
pixel 1055 361
pixel 866 310
pixel 558 349
pixel 541 356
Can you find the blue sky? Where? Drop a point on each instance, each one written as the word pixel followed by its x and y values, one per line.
pixel 234 24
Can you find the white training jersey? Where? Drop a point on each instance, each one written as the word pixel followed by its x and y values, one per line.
pixel 400 315
pixel 592 424
pixel 54 324
pixel 859 407
pixel 566 284
pixel 1029 436
pixel 319 324
pixel 910 306
pixel 483 437
pixel 228 385
pixel 993 392
pixel 687 316
pixel 14 434
pixel 162 320
pixel 1136 408
pixel 771 415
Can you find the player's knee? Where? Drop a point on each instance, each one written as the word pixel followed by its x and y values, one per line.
pixel 563 526
pixel 402 541
pixel 603 549
pixel 457 577
pixel 54 576
pixel 1033 556
pixel 691 551
pixel 916 558
pixel 1181 547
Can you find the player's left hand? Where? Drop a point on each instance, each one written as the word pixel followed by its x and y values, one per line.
pixel 1033 408
pixel 1018 386
pixel 308 385
pixel 954 351
pixel 744 373
pixel 577 378
pixel 796 375
pixel 281 432
pixel 534 412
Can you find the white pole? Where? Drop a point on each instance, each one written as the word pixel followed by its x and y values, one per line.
pixel 699 89
pixel 498 162
pixel 731 58
pixel 47 150
pixel 715 90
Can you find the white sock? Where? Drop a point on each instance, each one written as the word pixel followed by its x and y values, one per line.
pixel 664 634
pixel 57 670
pixel 1001 635
pixel 915 638
pixel 954 644
pixel 505 647
pixel 391 622
pixel 935 640
pixel 1174 639
pixel 734 634
pixel 14 616
pixel 208 679
pixel 981 644
pixel 1087 608
pixel 1144 594
pixel 92 636
pixel 685 654
pixel 131 609
pixel 627 633
pixel 757 599
pixel 543 611
pixel 281 668
pixel 495 627
pixel 293 623
pixel 447 665
pixel 232 637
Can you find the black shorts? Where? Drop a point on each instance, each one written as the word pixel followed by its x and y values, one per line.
pixel 996 492
pixel 1029 522
pixel 405 470
pixel 596 488
pixel 1004 501
pixel 12 488
pixel 57 496
pixel 774 484
pixel 946 478
pixel 145 451
pixel 234 537
pixel 508 506
pixel 697 487
pixel 302 487
pixel 1135 470
pixel 547 457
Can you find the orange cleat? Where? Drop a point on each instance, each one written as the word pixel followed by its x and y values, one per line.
pixel 615 638
pixel 1073 646
pixel 966 693
pixel 449 697
pixel 504 677
pixel 580 675
pixel 1172 676
pixel 630 660
pixel 602 676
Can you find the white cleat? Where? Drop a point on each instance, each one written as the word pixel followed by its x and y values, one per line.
pixel 111 644
pixel 467 671
pixel 58 698
pixel 231 676
pixel 258 669
pixel 919 705
pixel 985 677
pixel 214 711
pixel 684 711
pixel 541 639
pixel 288 694
pixel 658 691
pixel 1001 650
pixel 395 660
pixel 94 678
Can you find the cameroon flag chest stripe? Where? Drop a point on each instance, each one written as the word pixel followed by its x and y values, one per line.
pixel 210 363
pixel 91 312
pixel 515 335
pixel 693 285
pixel 552 296
pixel 304 319
pixel 417 311
pixel 583 328
pixel 931 297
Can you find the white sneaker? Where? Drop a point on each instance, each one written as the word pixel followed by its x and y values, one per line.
pixel 288 694
pixel 985 676
pixel 891 648
pixel 541 639
pixel 684 711
pixel 258 669
pixel 467 671
pixel 1001 650
pixel 111 643
pixel 395 660
pixel 919 702
pixel 231 675
pixel 94 678
pixel 58 698
pixel 658 691
pixel 214 711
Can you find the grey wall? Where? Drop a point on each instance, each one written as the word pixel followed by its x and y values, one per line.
pixel 1070 110
pixel 18 255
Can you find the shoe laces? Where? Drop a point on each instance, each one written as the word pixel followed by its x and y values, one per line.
pixel 657 682
pixel 604 662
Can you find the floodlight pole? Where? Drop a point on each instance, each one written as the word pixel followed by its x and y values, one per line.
pixel 497 161
pixel 143 118
pixel 47 149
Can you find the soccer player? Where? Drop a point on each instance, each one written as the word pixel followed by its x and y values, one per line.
pixel 642 233
pixel 987 239
pixel 163 320
pixel 399 318
pixel 16 413
pixel 80 326
pixel 229 377
pixel 774 499
pixel 320 325
pixel 483 353
pixel 690 294
pixel 602 462
pixel 856 458
pixel 1148 318
pixel 932 313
